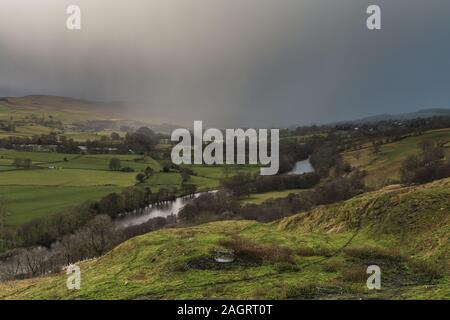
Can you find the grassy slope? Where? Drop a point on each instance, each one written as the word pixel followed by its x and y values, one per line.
pixel 416 220
pixel 387 163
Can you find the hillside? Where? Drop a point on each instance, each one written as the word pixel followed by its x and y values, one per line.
pixel 319 254
pixel 69 111
pixel 63 108
pixel 385 166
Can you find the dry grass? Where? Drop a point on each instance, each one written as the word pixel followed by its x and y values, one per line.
pixel 366 253
pixel 354 274
pixel 315 252
pixel 245 247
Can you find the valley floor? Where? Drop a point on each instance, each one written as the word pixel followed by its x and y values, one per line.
pixel 57 182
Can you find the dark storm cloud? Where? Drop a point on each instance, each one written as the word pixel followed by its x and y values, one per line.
pixel 232 62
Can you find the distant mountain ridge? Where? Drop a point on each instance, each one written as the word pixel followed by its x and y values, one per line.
pixel 124 111
pixel 425 113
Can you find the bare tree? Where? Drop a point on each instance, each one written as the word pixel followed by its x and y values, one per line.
pixel 99 234
pixel 12 266
pixel 35 261
pixel 74 249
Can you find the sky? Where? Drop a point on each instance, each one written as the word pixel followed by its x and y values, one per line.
pixel 232 63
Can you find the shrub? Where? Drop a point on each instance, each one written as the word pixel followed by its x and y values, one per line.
pixel 112 204
pixel 245 247
pixel 365 253
pixel 428 270
pixel 114 164
pixel 140 177
pixel 354 274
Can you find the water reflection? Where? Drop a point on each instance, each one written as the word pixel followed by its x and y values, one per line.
pixel 302 167
pixel 153 211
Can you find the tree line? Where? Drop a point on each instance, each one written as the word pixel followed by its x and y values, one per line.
pixel 242 185
pixel 225 205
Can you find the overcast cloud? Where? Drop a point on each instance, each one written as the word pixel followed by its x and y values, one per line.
pixel 232 62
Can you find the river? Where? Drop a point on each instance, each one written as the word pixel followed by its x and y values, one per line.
pixel 154 211
pixel 302 167
pixel 174 207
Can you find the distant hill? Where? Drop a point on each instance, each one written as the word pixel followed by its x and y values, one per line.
pixel 44 103
pixel 426 113
pixel 71 110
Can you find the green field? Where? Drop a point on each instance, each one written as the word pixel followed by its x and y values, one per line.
pixel 57 181
pixel 67 177
pixel 220 172
pixel 101 162
pixel 36 157
pixel 386 164
pixel 329 247
pixel 81 136
pixel 41 191
pixel 25 203
pixel 165 180
pixel 204 183
pixel 26 131
pixel 210 177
